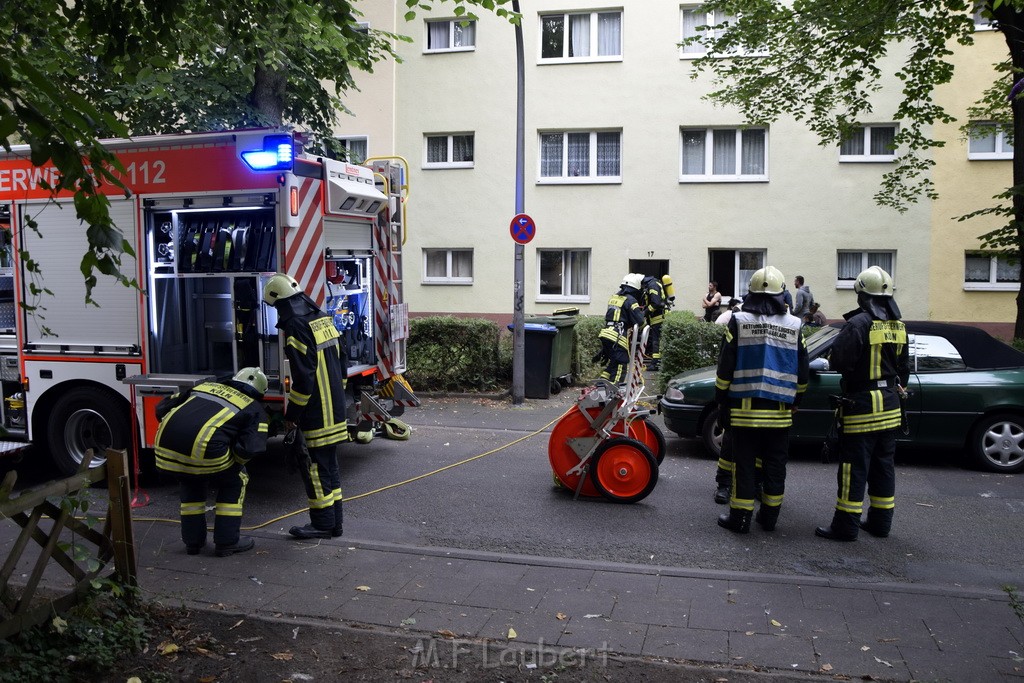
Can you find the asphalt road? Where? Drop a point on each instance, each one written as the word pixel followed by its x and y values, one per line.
pixel 952 526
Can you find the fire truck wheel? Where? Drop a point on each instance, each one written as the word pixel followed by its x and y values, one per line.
pixel 85 418
pixel 624 470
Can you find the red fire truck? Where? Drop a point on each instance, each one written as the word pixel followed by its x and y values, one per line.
pixel 210 218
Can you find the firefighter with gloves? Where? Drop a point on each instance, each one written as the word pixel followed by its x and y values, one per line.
pixel 871 354
pixel 655 306
pixel 624 311
pixel 316 400
pixel 207 433
pixel 762 374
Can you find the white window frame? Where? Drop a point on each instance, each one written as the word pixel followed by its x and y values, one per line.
pixel 993 285
pixel 346 143
pixel 593 56
pixel 868 157
pixel 427 50
pixel 864 263
pixel 1001 143
pixel 451 147
pixel 980 22
pixel 565 178
pixel 709 151
pixel 710 19
pixel 448 278
pixel 566 277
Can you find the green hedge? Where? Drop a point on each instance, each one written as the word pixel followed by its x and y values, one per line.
pixel 446 353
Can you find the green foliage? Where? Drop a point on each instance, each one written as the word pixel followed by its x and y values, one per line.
pixel 822 61
pixel 453 354
pixel 586 347
pixel 1017 343
pixel 687 343
pixel 1015 601
pixel 84 643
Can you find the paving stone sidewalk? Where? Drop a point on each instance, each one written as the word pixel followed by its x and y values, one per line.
pixel 779 623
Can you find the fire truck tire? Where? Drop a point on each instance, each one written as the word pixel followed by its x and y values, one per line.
pixel 624 470
pixel 86 418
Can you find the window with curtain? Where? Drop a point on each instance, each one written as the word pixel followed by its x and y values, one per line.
pixel 450 35
pixel 869 143
pixel 355 148
pixel 563 275
pixel 849 265
pixel 989 141
pixel 581 156
pixel 448 150
pixel 448 266
pixel 988 270
pixel 698 29
pixel 723 154
pixel 581 36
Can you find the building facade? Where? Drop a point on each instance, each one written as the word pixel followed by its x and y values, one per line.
pixel 629 168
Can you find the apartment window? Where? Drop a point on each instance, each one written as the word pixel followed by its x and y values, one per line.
pixel 982 23
pixel 849 265
pixel 869 143
pixel 447 266
pixel 988 141
pixel 732 269
pixel 355 148
pixel 698 30
pixel 988 271
pixel 451 35
pixel 453 150
pixel 581 157
pixel 724 154
pixel 563 275
pixel 587 36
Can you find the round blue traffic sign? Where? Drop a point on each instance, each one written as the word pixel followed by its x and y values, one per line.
pixel 522 228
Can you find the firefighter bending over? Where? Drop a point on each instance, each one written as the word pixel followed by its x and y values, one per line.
pixel 624 311
pixel 762 373
pixel 871 354
pixel 207 433
pixel 316 401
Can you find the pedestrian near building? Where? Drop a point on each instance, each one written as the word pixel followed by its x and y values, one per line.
pixel 871 354
pixel 207 433
pixel 762 374
pixel 316 400
pixel 624 311
pixel 818 318
pixel 711 302
pixel 654 311
pixel 802 299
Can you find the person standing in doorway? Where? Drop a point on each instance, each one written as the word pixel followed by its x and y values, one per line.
pixel 711 302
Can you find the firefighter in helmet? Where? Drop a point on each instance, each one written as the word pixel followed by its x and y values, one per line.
pixel 624 311
pixel 871 354
pixel 207 433
pixel 655 306
pixel 316 400
pixel 762 374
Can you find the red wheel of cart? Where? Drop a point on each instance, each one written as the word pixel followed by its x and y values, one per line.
pixel 624 470
pixel 573 425
pixel 649 435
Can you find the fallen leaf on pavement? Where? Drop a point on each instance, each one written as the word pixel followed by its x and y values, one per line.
pixel 561 617
pixel 775 623
pixel 237 624
pixel 512 634
pixel 166 648
pixel 864 648
pixel 283 656
pixel 826 667
pixel 925 505
pixel 592 616
pixel 446 633
pixel 362 588
pixel 59 625
pixel 408 621
pixel 749 633
pixel 882 661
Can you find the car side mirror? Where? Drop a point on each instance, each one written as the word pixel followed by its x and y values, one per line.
pixel 819 365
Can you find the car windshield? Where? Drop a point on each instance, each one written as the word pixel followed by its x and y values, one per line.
pixel 821 341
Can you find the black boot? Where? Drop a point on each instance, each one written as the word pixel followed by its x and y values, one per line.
pixel 843 528
pixel 768 516
pixel 737 520
pixel 338 518
pixel 878 522
pixel 722 494
pixel 240 546
pixel 309 531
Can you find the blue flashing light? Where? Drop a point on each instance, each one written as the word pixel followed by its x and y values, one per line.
pixel 277 154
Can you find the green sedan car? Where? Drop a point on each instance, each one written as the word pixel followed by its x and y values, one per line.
pixel 966 392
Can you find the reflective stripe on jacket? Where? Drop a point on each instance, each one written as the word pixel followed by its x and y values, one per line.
pixel 316 401
pixel 870 352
